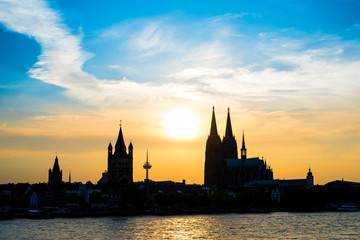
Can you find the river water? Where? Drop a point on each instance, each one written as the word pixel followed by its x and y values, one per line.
pixel 324 225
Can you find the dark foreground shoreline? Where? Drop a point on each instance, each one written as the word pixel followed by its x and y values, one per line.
pixel 162 212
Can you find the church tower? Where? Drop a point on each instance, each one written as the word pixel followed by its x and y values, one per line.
pixel 213 156
pixel 55 175
pixel 229 142
pixel 309 179
pixel 120 163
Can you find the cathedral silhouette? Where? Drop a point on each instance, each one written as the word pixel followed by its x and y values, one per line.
pixel 222 165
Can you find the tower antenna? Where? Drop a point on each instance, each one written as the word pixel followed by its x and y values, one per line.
pixel 147 166
pixel 69 175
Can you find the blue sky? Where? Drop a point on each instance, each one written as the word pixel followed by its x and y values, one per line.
pixel 284 61
pixel 115 37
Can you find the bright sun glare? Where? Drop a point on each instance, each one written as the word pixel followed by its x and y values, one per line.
pixel 181 124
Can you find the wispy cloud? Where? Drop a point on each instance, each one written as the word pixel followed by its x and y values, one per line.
pixel 228 16
pixel 61 56
pixel 201 59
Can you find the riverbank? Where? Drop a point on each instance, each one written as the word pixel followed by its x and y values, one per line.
pixel 39 214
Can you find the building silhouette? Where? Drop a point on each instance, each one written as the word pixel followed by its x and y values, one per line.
pixel 307 182
pixel 55 175
pixel 222 165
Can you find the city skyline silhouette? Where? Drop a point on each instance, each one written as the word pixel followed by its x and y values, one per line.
pixel 288 73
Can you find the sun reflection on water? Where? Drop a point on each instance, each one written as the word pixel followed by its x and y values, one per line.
pixel 330 225
pixel 191 227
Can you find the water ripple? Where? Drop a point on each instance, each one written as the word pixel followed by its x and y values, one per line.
pixel 330 225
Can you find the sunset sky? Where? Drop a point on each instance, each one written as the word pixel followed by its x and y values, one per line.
pixel 71 70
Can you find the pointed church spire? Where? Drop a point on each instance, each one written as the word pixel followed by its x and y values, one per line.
pixel 110 150
pixel 229 143
pixel 243 141
pixel 228 131
pixel 243 149
pixel 56 165
pixel 213 128
pixel 120 143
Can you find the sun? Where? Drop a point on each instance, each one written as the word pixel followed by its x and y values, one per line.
pixel 181 124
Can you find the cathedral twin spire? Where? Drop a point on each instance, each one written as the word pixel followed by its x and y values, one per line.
pixel 213 128
pixel 228 133
pixel 228 130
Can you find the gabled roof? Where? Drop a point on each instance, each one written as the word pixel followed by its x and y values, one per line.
pixel 240 163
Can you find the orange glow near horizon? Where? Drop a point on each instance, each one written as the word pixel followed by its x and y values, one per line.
pixel 290 145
